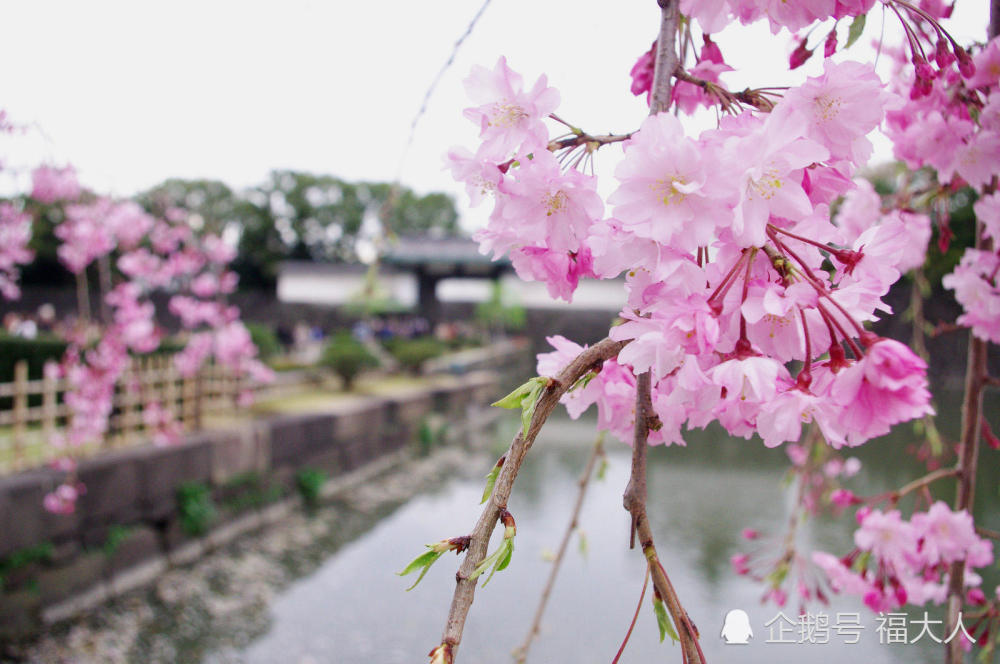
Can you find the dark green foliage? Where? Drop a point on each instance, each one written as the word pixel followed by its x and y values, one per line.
pixel 248 490
pixel 265 339
pixel 412 353
pixel 431 433
pixel 35 351
pixel 117 535
pixel 348 357
pixel 310 482
pixel 195 507
pixel 39 553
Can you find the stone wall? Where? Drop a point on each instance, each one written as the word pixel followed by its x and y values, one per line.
pixel 131 524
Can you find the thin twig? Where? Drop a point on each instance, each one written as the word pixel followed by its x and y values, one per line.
pixel 918 483
pixel 465 587
pixel 521 654
pixel 635 617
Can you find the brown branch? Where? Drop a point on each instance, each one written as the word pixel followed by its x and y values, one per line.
pixel 635 502
pixel 972 408
pixel 590 141
pixel 521 654
pixel 666 57
pixel 634 498
pixel 910 487
pixel 986 532
pixel 465 587
pixel 729 101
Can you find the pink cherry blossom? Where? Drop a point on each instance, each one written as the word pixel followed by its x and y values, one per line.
pixel 987 210
pixel 510 118
pixel 987 64
pixel 49 184
pixel 887 386
pixel 978 291
pixel 840 107
pixel 15 234
pixel 666 192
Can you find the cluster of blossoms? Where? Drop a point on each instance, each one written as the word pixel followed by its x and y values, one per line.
pixel 717 14
pixel 746 298
pixel 725 241
pixel 152 255
pixel 15 233
pixel 947 117
pixel 899 562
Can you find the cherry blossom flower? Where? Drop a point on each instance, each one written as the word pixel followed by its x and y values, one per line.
pixel 509 117
pixel 49 184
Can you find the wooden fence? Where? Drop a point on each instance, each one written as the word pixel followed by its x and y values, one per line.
pixel 33 411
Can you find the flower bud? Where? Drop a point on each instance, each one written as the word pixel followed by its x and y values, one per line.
pixel 942 54
pixel 799 56
pixel 965 65
pixel 830 45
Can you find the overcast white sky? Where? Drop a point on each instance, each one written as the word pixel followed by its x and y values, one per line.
pixel 134 92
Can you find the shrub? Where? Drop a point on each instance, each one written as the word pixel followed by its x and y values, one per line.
pixel 412 353
pixel 36 351
pixel 348 357
pixel 310 482
pixel 265 339
pixel 195 507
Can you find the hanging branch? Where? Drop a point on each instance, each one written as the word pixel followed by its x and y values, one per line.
pixel 635 502
pixel 634 498
pixel 465 586
pixel 972 407
pixel 521 654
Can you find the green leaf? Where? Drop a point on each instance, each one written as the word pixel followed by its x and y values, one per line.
pixel 499 560
pixel 583 381
pixel 505 559
pixel 524 397
pixel 491 480
pixel 513 400
pixel 424 560
pixel 528 408
pixel 582 543
pixel 602 469
pixel 663 622
pixel 854 32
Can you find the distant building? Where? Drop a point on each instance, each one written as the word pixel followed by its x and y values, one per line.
pixel 420 272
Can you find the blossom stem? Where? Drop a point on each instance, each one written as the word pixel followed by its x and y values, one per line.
pixel 743 341
pixel 858 353
pixel 820 288
pixel 727 281
pixel 807 366
pixel 798 237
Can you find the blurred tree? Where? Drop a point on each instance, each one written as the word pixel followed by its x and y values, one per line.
pixel 302 216
pixel 214 206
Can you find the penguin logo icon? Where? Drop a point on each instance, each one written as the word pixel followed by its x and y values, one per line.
pixel 736 628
